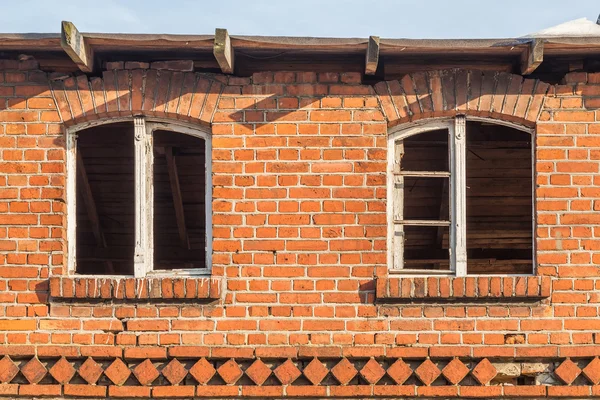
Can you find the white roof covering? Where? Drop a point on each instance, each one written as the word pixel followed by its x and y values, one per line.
pixel 581 27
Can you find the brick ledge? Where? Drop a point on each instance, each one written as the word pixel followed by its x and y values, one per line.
pixel 198 376
pixel 159 288
pixel 466 288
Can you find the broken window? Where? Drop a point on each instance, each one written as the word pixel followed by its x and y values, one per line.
pixel 141 193
pixel 461 199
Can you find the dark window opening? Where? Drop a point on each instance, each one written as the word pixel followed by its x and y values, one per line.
pixel 179 201
pixel 105 200
pixel 426 247
pixel 499 200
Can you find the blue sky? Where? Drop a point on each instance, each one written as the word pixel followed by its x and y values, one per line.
pixel 339 18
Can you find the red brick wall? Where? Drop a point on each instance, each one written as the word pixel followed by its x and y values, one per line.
pixel 299 263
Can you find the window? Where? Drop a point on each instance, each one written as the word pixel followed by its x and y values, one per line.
pixel 460 199
pixel 139 199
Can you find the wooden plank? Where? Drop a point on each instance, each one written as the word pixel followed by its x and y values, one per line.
pixel 74 44
pixel 423 174
pixel 421 222
pixel 532 57
pixel 372 55
pixel 177 199
pixel 223 51
pixel 91 209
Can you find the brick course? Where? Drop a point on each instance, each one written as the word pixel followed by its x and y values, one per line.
pixel 299 263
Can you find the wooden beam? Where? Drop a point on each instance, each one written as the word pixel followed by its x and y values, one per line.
pixel 74 44
pixel 372 56
pixel 177 199
pixel 223 51
pixel 91 209
pixel 532 57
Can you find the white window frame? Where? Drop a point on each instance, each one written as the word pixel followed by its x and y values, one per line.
pixel 144 193
pixel 456 128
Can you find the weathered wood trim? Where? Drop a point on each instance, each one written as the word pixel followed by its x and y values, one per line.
pixel 71 198
pixel 532 57
pixel 372 55
pixel 144 199
pixel 458 196
pixel 223 51
pixel 395 178
pixel 74 44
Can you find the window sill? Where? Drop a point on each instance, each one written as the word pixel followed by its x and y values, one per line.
pixel 121 288
pixel 463 288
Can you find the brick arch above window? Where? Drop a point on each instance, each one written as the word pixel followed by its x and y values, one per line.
pixel 185 96
pixel 446 93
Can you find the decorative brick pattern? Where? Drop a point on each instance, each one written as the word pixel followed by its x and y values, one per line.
pixel 445 93
pixel 34 371
pixel 315 371
pixel 230 372
pixel 344 371
pixel 455 371
pixel 435 288
pixel 147 378
pixel 568 371
pixel 135 288
pixel 62 371
pixel 427 372
pixel 287 372
pixel 258 372
pixel 174 371
pixel 203 371
pixel 372 372
pixel 126 93
pixel 8 370
pixel 484 372
pixel 399 371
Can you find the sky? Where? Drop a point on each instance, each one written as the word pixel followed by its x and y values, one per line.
pixel 320 18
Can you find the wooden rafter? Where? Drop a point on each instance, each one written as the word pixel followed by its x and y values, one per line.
pixel 177 199
pixel 372 56
pixel 223 51
pixel 532 57
pixel 90 207
pixel 74 44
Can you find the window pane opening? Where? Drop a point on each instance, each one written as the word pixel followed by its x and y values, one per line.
pixel 427 151
pixel 105 200
pixel 426 198
pixel 499 200
pixel 426 247
pixel 179 201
